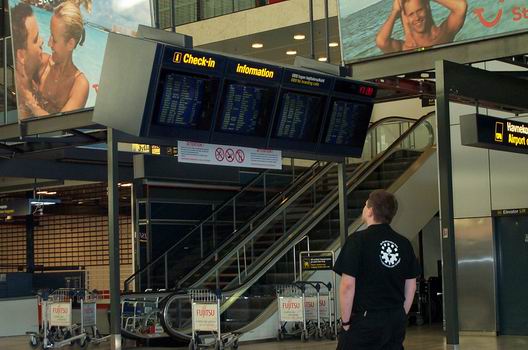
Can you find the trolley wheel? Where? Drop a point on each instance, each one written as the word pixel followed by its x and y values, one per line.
pixel 280 335
pixel 419 320
pixel 83 342
pixel 330 334
pixel 234 346
pixel 304 336
pixel 319 334
pixel 34 341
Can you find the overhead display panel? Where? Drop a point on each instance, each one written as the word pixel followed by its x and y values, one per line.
pixel 198 96
pixel 248 100
pixel 371 28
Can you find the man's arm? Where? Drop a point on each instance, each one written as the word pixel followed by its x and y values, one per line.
pixel 347 289
pixel 384 40
pixel 456 18
pixel 410 289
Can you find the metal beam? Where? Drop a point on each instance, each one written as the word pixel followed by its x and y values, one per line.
pixel 64 121
pixel 477 51
pixel 484 86
pixel 445 190
pixel 113 242
pixel 343 202
pixel 53 169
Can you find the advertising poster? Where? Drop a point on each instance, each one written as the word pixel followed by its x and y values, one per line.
pixel 58 49
pixel 372 28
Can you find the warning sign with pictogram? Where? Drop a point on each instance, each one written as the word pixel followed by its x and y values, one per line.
pixel 203 153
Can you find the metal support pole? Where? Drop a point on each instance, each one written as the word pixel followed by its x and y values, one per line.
pixel 5 70
pixel 30 244
pixel 343 203
pixel 327 31
pixel 113 240
pixel 312 39
pixel 173 16
pixel 156 14
pixel 445 190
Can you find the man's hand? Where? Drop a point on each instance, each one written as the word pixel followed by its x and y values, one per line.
pixel 396 8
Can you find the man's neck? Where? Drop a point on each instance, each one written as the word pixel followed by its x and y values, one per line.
pixel 373 222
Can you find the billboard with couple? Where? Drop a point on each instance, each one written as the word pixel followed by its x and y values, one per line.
pixel 372 28
pixel 58 49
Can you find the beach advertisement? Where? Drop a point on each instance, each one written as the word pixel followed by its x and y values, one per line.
pixel 58 49
pixel 372 28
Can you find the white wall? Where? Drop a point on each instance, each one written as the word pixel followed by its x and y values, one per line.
pixel 18 316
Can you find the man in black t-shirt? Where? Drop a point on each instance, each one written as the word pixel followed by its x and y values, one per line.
pixel 378 271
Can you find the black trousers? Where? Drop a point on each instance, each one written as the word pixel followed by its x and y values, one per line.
pixel 375 330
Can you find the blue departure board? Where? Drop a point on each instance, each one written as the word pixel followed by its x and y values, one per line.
pixel 242 106
pixel 182 101
pixel 348 123
pixel 297 116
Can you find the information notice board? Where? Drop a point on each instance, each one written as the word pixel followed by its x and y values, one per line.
pixel 200 96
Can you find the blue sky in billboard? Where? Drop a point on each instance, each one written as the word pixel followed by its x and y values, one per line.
pixel 375 27
pixel 66 79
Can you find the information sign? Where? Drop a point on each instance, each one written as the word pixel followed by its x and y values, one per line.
pixel 204 153
pixel 484 131
pixel 316 263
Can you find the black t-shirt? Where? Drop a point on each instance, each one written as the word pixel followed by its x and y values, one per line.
pixel 381 260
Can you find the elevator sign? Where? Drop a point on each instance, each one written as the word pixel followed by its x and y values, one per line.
pixel 483 131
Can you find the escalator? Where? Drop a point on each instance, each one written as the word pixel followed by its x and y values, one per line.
pixel 248 265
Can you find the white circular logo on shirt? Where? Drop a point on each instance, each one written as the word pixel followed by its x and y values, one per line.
pixel 389 255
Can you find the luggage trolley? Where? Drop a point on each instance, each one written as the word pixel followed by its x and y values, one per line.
pixel 319 261
pixel 57 329
pixel 319 309
pixel 89 318
pixel 291 305
pixel 205 308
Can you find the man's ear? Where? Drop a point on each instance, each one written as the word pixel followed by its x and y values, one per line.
pixel 20 56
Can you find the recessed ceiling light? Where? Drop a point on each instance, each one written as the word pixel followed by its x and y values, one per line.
pixel 424 75
pixel 322 59
pixel 257 45
pixel 291 52
pixel 333 44
pixel 299 36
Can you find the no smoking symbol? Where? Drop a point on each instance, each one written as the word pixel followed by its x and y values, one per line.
pixel 219 154
pixel 240 156
pixel 229 155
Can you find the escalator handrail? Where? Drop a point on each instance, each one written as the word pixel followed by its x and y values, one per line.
pixel 222 206
pixel 285 203
pixel 358 173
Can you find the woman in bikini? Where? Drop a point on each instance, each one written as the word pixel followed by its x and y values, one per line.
pixel 62 86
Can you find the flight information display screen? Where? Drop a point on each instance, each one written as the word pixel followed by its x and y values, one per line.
pixel 348 123
pixel 243 106
pixel 182 101
pixel 298 116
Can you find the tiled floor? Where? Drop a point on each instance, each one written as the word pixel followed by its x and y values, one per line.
pixel 424 338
